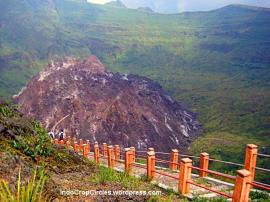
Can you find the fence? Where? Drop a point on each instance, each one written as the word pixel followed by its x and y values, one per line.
pixel 243 181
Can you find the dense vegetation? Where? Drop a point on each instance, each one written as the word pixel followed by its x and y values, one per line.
pixel 217 62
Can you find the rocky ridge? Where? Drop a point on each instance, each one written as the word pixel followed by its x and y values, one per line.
pixel 108 107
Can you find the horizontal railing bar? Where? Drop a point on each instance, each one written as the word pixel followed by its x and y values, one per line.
pixel 141 151
pixel 263 169
pixel 226 162
pixel 260 186
pixel 161 160
pixel 139 166
pixel 215 191
pixel 264 155
pixel 196 157
pixel 214 173
pixel 119 161
pixel 260 183
pixel 191 156
pixel 161 173
pixel 162 153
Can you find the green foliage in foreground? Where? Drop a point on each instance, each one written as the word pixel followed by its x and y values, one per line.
pixel 26 135
pixel 162 199
pixel 209 200
pixel 170 197
pixel 30 192
pixel 36 146
pixel 7 111
pixel 259 196
pixel 107 176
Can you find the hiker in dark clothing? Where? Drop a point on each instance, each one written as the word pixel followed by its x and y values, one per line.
pixel 62 135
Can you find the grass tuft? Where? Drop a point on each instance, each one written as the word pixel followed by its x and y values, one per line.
pixel 31 192
pixel 108 175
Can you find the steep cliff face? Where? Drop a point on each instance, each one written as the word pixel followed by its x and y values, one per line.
pixel 108 107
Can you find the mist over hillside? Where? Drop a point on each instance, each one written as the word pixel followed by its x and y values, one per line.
pixel 178 6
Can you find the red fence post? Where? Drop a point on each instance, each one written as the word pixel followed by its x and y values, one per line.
pixel 110 157
pixel 174 159
pixel 133 154
pixel 185 176
pixel 68 144
pixel 85 150
pixel 251 159
pixel 204 163
pixel 81 145
pixel 117 152
pixel 242 186
pixel 151 149
pixel 69 138
pixel 96 152
pixel 104 150
pixel 76 146
pixel 88 145
pixel 73 141
pixel 151 164
pixel 128 160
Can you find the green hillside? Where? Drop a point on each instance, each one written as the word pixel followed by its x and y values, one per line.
pixel 217 63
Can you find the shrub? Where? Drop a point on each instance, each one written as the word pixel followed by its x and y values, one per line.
pixel 107 175
pixel 26 135
pixel 259 196
pixel 7 111
pixel 31 192
pixel 34 145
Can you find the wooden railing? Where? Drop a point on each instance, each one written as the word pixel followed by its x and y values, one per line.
pixel 243 181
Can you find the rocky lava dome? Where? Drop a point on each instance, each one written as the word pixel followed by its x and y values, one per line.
pixel 92 103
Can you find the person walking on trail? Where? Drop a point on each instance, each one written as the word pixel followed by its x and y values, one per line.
pixel 51 135
pixel 62 135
